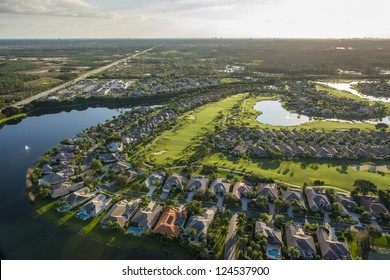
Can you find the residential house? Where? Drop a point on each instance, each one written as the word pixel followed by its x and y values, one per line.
pixel 120 214
pixel 74 199
pixel 268 190
pixel 200 224
pixel 373 205
pixel 115 147
pixel 153 180
pixel 198 182
pixel 53 178
pixel 61 156
pixel 274 239
pixel 346 203
pixel 94 207
pixel 170 222
pixel 296 238
pixel 317 200
pixel 220 185
pixel 145 219
pixel 241 189
pixel 239 150
pixel 64 189
pixel 174 181
pixel 331 249
pixel 294 195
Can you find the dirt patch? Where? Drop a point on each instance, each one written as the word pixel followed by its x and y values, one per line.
pixel 192 117
pixel 159 153
pixel 370 167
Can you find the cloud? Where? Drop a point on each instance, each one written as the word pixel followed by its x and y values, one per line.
pixel 63 8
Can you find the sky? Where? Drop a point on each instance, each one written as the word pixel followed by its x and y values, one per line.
pixel 194 18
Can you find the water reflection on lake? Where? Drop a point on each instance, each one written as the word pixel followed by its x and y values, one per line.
pixel 274 114
pixel 349 88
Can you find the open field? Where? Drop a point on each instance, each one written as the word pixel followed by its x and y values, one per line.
pixel 332 172
pixel 174 142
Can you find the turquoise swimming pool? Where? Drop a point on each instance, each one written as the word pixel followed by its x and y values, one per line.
pixel 273 253
pixel 134 230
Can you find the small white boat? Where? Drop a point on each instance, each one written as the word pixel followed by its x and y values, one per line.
pixel 26 147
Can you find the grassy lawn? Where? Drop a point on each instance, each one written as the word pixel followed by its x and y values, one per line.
pixel 17 116
pixel 383 241
pixel 229 80
pixel 332 172
pixel 174 142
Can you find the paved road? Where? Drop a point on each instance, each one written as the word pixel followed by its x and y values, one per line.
pixel 86 75
pixel 231 240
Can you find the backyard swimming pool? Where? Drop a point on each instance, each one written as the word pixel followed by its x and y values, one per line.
pixel 134 230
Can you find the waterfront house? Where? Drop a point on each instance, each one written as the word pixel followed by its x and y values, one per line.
pixel 94 207
pixel 74 199
pixel 65 188
pixel 170 222
pixel 145 219
pixel 53 178
pixel 120 214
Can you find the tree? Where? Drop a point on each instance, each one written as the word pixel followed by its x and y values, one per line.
pixel 121 181
pixel 96 165
pixel 364 187
pixel 144 202
pixel 194 208
pixel 365 217
pixel 264 217
pixel 373 233
pixel 293 253
pixel 279 221
pixel 192 233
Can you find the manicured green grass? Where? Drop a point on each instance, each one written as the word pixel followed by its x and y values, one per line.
pixel 17 116
pixel 193 124
pixel 383 241
pixel 229 80
pixel 332 172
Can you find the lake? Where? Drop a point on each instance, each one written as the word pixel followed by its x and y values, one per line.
pixel 274 114
pixel 349 88
pixel 23 235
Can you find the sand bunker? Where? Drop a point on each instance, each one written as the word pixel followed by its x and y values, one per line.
pixel 159 153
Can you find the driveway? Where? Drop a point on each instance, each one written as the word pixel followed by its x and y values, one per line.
pixel 151 190
pixel 271 210
pixel 290 212
pixel 164 195
pixel 220 200
pixel 245 202
pixel 190 196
